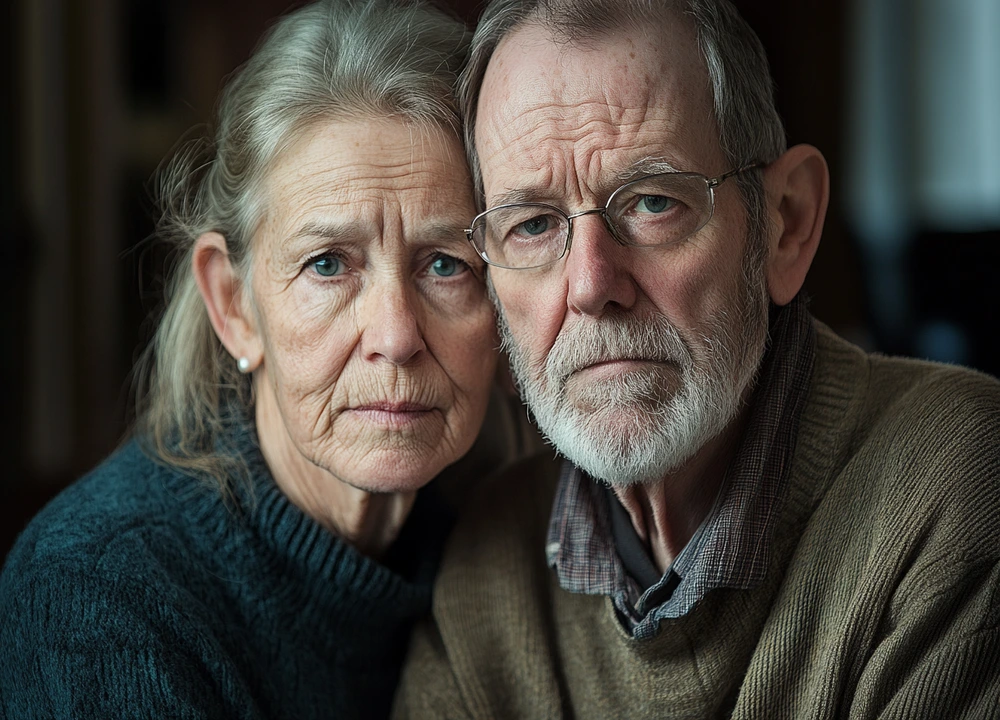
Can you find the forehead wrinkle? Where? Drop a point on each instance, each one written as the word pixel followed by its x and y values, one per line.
pixel 572 120
pixel 667 87
pixel 349 187
pixel 389 171
pixel 365 222
pixel 366 185
pixel 353 178
pixel 603 153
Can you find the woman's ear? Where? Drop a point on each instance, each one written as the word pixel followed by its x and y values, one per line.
pixel 798 191
pixel 221 290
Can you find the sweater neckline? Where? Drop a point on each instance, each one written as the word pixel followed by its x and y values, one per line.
pixel 312 571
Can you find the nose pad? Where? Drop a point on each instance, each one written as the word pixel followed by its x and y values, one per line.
pixel 605 218
pixel 598 269
pixel 613 231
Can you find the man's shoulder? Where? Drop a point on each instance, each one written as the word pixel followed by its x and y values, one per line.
pixel 506 520
pixel 487 647
pixel 914 444
pixel 892 379
pixel 525 490
pixel 903 402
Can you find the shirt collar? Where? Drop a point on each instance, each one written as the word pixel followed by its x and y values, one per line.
pixel 732 546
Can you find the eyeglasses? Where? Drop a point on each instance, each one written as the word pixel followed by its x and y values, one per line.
pixel 658 209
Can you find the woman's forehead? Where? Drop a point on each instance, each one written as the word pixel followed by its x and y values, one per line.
pixel 348 172
pixel 382 153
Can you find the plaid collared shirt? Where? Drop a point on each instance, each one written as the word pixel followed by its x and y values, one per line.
pixel 731 548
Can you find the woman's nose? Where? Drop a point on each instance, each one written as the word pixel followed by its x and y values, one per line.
pixel 392 326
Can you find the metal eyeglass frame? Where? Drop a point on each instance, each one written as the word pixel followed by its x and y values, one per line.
pixel 710 183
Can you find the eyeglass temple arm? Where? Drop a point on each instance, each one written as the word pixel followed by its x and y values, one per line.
pixel 715 182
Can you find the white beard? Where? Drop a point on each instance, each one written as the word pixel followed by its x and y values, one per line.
pixel 645 423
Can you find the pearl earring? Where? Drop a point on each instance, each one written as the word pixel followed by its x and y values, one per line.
pixel 243 364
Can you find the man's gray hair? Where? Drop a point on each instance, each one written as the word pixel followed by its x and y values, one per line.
pixel 331 60
pixel 750 129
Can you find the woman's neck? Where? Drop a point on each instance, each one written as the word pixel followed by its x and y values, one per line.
pixel 368 521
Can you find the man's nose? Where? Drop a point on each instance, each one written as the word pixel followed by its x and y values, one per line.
pixel 598 269
pixel 392 325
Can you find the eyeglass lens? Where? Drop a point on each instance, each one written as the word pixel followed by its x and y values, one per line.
pixel 655 210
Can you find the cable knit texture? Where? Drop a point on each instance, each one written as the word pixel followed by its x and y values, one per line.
pixel 882 597
pixel 137 593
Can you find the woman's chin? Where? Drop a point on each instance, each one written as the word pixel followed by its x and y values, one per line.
pixel 392 461
pixel 392 472
pixel 391 485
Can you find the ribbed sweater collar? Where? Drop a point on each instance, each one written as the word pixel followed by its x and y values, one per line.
pixel 311 573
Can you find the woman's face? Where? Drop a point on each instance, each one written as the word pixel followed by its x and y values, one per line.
pixel 370 306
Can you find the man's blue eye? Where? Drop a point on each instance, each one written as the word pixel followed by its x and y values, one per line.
pixel 536 226
pixel 654 203
pixel 446 266
pixel 327 266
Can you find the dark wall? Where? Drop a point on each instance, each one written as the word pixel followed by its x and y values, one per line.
pixel 125 79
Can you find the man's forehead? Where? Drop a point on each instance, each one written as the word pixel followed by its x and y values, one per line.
pixel 609 94
pixel 530 58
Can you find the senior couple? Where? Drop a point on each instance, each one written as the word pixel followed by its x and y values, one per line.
pixel 747 516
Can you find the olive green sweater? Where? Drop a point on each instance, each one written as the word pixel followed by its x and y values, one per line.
pixel 882 599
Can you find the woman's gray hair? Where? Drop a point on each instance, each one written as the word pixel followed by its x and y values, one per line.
pixel 750 129
pixel 334 59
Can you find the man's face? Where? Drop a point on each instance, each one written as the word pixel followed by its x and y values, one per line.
pixel 630 358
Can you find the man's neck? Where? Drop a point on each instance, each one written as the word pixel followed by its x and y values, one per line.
pixel 666 514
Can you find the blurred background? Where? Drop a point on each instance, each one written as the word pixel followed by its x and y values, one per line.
pixel 902 96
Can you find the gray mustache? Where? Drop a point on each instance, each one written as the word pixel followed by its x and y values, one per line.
pixel 615 337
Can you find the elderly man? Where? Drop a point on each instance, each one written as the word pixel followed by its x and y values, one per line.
pixel 753 518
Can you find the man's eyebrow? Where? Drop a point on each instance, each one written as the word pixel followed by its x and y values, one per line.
pixel 646 166
pixel 520 195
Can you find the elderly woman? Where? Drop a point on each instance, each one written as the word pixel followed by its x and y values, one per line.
pixel 259 548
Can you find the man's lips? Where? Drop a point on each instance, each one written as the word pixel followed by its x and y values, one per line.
pixel 614 366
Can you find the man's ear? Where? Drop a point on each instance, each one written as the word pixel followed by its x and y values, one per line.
pixel 220 288
pixel 798 191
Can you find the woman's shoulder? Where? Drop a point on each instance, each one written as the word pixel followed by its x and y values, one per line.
pixel 128 490
pixel 105 584
pixel 130 520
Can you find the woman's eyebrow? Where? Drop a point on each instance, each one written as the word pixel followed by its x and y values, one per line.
pixel 436 233
pixel 450 233
pixel 328 231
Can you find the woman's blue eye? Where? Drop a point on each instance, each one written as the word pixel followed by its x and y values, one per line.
pixel 446 266
pixel 327 266
pixel 654 203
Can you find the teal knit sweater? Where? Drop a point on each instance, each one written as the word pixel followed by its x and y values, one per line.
pixel 138 593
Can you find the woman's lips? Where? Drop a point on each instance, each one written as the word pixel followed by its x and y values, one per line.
pixel 392 413
pixel 395 407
